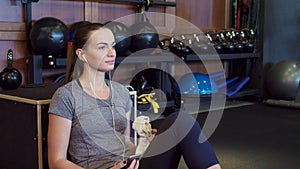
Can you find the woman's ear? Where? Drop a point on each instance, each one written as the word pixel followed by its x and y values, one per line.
pixel 80 54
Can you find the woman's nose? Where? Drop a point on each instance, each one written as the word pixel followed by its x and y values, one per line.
pixel 111 52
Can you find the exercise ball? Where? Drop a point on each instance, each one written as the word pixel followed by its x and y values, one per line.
pixel 283 79
pixel 196 84
pixel 144 36
pixel 122 36
pixel 49 36
pixel 10 77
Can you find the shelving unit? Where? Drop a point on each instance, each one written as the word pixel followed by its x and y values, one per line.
pixel 35 69
pixel 230 56
pixel 230 62
pixel 162 58
pixel 36 62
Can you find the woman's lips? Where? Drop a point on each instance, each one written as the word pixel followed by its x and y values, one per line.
pixel 110 62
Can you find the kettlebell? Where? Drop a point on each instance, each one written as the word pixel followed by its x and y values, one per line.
pixel 165 44
pixel 10 77
pixel 143 35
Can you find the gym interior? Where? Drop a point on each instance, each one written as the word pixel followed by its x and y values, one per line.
pixel 233 64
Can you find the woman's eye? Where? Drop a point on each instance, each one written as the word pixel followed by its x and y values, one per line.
pixel 102 47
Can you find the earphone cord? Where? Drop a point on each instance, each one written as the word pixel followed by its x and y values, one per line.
pixel 111 107
pixel 113 117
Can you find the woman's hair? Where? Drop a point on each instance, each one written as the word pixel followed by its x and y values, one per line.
pixel 81 36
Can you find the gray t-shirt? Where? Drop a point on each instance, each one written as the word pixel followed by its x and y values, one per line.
pixel 93 140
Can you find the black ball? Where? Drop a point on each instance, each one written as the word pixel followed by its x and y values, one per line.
pixel 144 35
pixel 10 78
pixel 49 36
pixel 122 36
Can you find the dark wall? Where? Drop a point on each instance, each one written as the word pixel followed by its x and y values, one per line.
pixel 281 30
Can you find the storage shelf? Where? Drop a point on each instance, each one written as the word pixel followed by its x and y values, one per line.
pixel 228 56
pixel 12 31
pixel 170 58
pixel 146 58
pixel 159 3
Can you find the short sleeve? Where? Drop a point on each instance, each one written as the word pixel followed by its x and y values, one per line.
pixel 61 103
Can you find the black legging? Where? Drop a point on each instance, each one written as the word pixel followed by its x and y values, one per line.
pixel 178 136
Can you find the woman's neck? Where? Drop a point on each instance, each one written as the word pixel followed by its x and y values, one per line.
pixel 95 85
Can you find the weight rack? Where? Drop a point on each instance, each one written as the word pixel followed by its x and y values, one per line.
pixel 35 62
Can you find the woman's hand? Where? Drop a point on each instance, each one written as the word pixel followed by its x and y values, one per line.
pixel 134 165
pixel 153 132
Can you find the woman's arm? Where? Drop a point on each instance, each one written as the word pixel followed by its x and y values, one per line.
pixel 58 141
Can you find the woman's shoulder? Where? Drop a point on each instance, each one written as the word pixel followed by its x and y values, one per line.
pixel 67 89
pixel 119 87
pixel 117 84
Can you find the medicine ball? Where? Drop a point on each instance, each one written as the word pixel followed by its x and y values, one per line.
pixel 122 36
pixel 283 79
pixel 49 36
pixel 144 35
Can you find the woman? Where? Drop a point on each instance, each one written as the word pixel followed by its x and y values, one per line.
pixel 88 116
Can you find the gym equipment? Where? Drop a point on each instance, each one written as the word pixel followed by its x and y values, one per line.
pixel 147 99
pixel 282 80
pixel 283 84
pixel 165 44
pixel 10 77
pixel 146 81
pixel 234 85
pixel 287 103
pixel 49 36
pixel 203 84
pixel 144 35
pixel 184 44
pixel 248 39
pixel 24 125
pixel 232 40
pixel 180 45
pixel 35 74
pixel 201 42
pixel 216 40
pixel 196 84
pixel 122 35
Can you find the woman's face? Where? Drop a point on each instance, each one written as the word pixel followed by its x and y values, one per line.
pixel 99 51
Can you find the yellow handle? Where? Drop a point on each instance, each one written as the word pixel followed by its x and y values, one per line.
pixel 150 100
